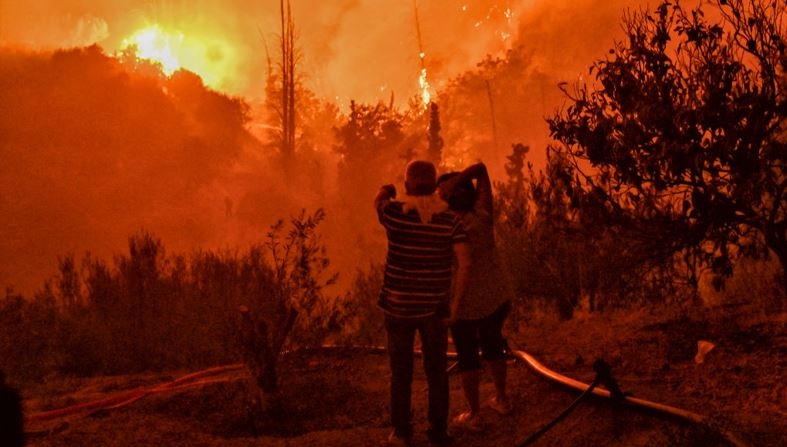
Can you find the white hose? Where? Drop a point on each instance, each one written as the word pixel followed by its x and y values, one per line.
pixel 661 408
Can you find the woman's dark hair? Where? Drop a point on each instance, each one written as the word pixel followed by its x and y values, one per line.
pixel 463 196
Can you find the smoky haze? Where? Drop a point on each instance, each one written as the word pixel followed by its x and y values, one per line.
pixel 350 49
pixel 92 153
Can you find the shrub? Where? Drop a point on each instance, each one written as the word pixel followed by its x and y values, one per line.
pixel 153 311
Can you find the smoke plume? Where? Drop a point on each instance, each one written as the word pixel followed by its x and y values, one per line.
pixel 92 153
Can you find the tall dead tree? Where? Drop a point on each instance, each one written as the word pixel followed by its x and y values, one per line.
pixel 280 89
pixel 288 62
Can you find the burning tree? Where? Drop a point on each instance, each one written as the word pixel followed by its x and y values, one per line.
pixel 681 140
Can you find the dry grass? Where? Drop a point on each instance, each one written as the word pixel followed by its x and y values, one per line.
pixel 339 398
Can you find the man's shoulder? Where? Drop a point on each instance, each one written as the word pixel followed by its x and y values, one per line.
pixel 392 209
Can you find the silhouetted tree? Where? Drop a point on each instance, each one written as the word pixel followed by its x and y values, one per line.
pixel 537 232
pixel 288 63
pixel 435 150
pixel 295 312
pixel 281 86
pixel 142 273
pixel 300 124
pixel 512 197
pixel 68 282
pixel 368 143
pixel 680 141
pixel 484 107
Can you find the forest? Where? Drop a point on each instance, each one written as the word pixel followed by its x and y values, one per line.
pixel 663 184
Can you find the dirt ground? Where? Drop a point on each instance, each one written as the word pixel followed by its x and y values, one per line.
pixel 339 397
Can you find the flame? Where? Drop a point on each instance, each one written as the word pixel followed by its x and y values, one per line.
pixel 155 44
pixel 426 96
pixel 210 58
pixel 423 82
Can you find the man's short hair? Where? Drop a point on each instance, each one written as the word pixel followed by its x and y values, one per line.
pixel 420 178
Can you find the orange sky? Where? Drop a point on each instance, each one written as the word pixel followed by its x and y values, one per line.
pixel 351 49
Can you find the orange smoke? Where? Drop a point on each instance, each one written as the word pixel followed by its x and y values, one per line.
pixel 91 154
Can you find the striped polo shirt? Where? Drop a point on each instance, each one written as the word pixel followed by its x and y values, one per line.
pixel 417 280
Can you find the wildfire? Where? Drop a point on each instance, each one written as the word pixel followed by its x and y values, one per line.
pixel 209 58
pixel 153 43
pixel 426 97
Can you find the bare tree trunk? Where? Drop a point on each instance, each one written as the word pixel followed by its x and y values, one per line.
pixel 288 81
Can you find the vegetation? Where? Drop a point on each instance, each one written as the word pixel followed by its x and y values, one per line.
pixel 282 86
pixel 154 311
pixel 671 163
pixel 678 149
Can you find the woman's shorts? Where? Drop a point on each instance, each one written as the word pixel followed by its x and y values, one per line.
pixel 484 334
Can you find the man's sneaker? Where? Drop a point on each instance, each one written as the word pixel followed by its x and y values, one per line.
pixel 503 407
pixel 469 421
pixel 399 441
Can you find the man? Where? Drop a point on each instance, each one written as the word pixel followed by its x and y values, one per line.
pixel 424 240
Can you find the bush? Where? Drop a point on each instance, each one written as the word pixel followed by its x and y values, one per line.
pixel 154 311
pixel 27 337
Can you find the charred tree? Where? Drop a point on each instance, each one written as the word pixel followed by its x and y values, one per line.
pixel 435 140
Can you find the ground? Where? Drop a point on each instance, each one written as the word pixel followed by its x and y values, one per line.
pixel 339 397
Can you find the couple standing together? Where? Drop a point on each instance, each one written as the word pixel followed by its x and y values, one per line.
pixel 442 271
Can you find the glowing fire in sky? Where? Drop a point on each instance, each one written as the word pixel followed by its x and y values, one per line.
pixel 154 44
pixel 209 58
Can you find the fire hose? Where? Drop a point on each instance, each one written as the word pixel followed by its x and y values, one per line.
pixel 207 376
pixel 123 398
pixel 603 376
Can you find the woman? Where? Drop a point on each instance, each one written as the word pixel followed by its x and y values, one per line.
pixel 478 318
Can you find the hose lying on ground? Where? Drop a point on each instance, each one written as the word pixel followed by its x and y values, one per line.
pixel 199 378
pixel 543 371
pixel 603 376
pixel 122 398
